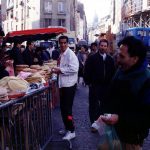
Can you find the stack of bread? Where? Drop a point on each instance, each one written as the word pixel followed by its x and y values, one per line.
pixel 47 71
pixel 35 78
pixel 51 64
pixel 12 83
pixel 39 73
pixel 29 70
pixel 20 68
pixel 36 67
pixel 3 94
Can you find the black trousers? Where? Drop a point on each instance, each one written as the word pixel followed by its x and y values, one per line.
pixel 97 94
pixel 66 102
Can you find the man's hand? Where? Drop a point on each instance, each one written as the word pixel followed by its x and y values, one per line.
pixel 56 70
pixel 111 119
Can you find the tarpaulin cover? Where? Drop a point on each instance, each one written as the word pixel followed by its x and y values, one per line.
pixel 33 34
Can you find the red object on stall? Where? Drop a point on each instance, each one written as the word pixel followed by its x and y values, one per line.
pixel 34 34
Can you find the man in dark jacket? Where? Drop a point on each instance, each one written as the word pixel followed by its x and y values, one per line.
pixel 98 72
pixel 129 96
pixel 3 72
pixel 16 54
pixel 28 53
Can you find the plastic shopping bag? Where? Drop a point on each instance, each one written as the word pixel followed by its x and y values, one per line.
pixel 109 140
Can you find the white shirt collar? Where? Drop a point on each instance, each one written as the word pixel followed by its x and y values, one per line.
pixel 103 55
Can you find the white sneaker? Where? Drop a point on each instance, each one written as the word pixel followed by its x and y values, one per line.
pixel 69 135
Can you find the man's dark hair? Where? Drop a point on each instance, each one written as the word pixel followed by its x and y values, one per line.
pixel 29 43
pixel 63 37
pixel 93 44
pixel 135 47
pixel 103 40
pixel 16 43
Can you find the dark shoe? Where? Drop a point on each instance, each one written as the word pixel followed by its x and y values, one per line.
pixel 93 130
pixel 94 127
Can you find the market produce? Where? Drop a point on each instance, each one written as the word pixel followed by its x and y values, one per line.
pixel 12 83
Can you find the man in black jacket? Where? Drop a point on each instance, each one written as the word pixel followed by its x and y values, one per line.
pixel 28 53
pixel 3 72
pixel 98 72
pixel 16 54
pixel 128 100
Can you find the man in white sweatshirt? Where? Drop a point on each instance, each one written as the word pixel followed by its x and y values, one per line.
pixel 67 71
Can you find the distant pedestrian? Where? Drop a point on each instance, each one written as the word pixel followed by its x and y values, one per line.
pixel 82 56
pixel 55 54
pixel 16 54
pixel 68 75
pixel 129 96
pixel 28 53
pixel 50 49
pixel 98 72
pixel 93 49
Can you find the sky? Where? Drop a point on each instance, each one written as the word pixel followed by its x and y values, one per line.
pixel 92 7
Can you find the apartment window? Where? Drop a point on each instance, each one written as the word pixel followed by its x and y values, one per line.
pixel 10 3
pixel 47 7
pixel 61 7
pixel 16 3
pixel 7 17
pixel 16 18
pixel 148 2
pixel 22 14
pixel 11 25
pixel 47 22
pixel 62 22
pixel 11 14
pixel 22 26
pixel 16 27
pixel 28 11
pixel 7 27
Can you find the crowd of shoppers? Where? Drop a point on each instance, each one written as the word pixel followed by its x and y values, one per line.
pixel 120 86
pixel 122 92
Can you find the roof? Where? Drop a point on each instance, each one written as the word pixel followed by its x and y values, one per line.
pixel 33 34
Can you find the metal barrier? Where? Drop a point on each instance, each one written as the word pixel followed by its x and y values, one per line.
pixel 26 123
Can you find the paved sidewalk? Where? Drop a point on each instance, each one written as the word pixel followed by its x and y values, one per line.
pixel 85 140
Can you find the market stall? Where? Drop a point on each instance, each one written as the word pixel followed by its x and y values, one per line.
pixel 27 99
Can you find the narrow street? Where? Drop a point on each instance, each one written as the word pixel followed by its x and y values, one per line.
pixel 85 140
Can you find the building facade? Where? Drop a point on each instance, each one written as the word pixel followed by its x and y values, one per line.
pixel 30 14
pixel 135 13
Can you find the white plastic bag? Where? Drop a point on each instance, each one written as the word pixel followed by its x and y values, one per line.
pixel 108 138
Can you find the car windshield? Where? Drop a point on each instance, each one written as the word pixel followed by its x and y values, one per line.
pixel 71 40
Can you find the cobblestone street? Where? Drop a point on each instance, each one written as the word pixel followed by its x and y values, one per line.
pixel 85 140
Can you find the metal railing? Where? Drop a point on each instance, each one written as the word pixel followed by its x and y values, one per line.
pixel 26 123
